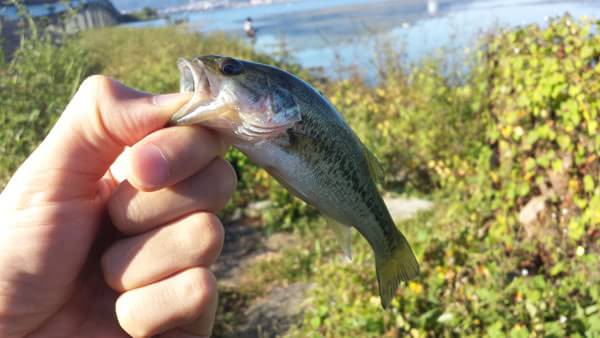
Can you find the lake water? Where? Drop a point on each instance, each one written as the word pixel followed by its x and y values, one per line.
pixel 333 34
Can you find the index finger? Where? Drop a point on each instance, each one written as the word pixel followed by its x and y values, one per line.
pixel 170 155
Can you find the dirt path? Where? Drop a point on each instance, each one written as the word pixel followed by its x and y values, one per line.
pixel 268 315
pixel 271 314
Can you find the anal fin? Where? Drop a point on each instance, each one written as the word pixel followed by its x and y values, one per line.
pixel 343 234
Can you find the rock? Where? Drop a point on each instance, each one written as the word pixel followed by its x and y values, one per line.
pixel 405 208
pixel 236 215
pixel 529 214
pixel 256 209
pixel 281 240
pixel 273 315
pixel 242 242
pixel 559 181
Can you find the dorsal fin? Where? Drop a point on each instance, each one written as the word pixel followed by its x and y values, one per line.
pixel 375 166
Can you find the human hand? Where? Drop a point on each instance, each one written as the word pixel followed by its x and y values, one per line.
pixel 82 254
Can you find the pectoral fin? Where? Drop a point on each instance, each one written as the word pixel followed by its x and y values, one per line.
pixel 344 236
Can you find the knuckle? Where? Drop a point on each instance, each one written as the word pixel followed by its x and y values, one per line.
pixel 230 179
pixel 199 288
pixel 94 83
pixel 225 185
pixel 204 236
pixel 215 236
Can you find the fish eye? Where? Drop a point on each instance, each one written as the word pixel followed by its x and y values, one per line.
pixel 231 67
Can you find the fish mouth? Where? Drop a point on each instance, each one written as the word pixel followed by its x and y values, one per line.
pixel 231 108
pixel 195 79
pixel 193 75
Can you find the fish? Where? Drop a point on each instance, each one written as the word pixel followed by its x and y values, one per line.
pixel 290 129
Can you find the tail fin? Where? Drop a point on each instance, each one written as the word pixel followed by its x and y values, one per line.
pixel 391 267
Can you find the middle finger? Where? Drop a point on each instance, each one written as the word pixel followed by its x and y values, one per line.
pixel 133 211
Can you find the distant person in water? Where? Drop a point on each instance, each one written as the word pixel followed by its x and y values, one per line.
pixel 249 29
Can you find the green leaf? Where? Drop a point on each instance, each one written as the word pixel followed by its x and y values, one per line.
pixel 524 189
pixel 557 166
pixel 446 317
pixel 558 268
pixel 519 332
pixel 315 322
pixel 590 310
pixel 587 51
pixel 530 164
pixel 564 141
pixel 588 183
pixel 576 229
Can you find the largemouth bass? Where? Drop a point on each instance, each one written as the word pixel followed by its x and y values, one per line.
pixel 291 130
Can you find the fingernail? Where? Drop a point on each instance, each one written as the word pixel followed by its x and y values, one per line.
pixel 170 99
pixel 152 167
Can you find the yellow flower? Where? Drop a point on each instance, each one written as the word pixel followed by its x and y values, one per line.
pixel 415 287
pixel 494 176
pixel 518 297
pixel 506 131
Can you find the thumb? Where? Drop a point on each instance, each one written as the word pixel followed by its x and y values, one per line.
pixel 103 117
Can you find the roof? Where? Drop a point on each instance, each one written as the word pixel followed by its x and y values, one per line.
pixel 73 3
pixel 41 2
pixel 30 2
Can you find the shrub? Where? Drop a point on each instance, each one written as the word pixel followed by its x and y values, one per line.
pixel 543 131
pixel 411 121
pixel 35 86
pixel 486 269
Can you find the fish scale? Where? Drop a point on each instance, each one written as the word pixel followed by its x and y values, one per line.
pixel 284 125
pixel 319 145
